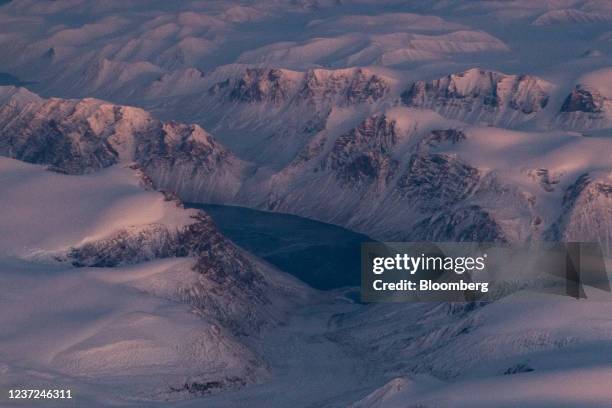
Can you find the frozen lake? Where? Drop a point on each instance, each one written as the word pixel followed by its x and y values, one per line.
pixel 322 255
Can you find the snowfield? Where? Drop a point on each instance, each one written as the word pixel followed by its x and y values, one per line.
pixel 63 211
pixel 103 328
pixel 152 322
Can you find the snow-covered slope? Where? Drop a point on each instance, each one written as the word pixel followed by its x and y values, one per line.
pixel 400 173
pixel 266 115
pixel 589 104
pixel 416 120
pixel 378 49
pixel 551 358
pixel 82 136
pixel 479 96
pixel 568 16
pixel 409 174
pixel 98 204
pixel 164 307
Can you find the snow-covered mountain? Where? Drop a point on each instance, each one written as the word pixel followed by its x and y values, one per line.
pixel 443 179
pixel 83 136
pixel 266 115
pixel 589 104
pixel 412 175
pixel 425 120
pixel 482 96
pixel 544 360
pixel 172 295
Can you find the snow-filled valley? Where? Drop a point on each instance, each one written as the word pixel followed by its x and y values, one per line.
pixel 123 122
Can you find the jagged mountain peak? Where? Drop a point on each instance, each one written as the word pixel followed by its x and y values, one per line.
pixel 255 85
pixel 478 95
pixel 320 86
pixel 353 85
pixel 276 111
pixel 84 136
pixel 589 103
pixel 178 132
pixel 584 99
pixel 86 125
pixel 586 211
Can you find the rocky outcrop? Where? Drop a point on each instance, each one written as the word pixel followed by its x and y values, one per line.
pixel 232 287
pixel 449 200
pixel 145 243
pixel 586 212
pixel 481 96
pixel 583 100
pixel 276 112
pixel 441 136
pixel 434 181
pixel 469 223
pixel 84 136
pixel 46 133
pixel 316 86
pixel 187 161
pixel 344 87
pixel 547 179
pixel 585 108
pixel 130 246
pixel 363 155
pixel 241 292
pixel 258 85
pixel 396 182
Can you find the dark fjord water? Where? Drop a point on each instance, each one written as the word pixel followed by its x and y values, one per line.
pixel 322 255
pixel 8 79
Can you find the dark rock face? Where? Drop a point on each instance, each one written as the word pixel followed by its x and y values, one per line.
pixel 479 95
pixel 350 87
pixel 128 247
pixel 547 179
pixel 583 100
pixel 217 257
pixel 570 198
pixel 364 154
pixel 316 86
pixel 519 368
pixel 528 95
pixel 153 241
pixel 178 144
pixel 77 137
pixel 49 54
pixel 70 148
pixel 186 160
pixel 435 181
pixel 471 223
pixel 259 85
pixel 230 287
pixel 363 88
pixel 202 388
pixel 438 137
pixel 586 213
pixel 442 189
